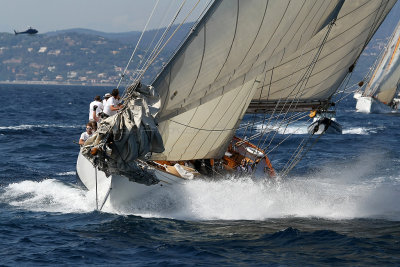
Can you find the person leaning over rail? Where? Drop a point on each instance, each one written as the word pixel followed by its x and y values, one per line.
pixel 112 104
pixel 87 134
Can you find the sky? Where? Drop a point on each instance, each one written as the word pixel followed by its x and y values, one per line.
pixel 101 15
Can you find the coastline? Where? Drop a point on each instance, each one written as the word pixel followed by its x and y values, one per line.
pixel 55 83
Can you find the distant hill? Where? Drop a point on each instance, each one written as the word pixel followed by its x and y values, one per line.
pixel 133 36
pixel 79 55
pixel 95 57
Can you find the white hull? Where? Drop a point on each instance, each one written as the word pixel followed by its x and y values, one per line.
pixel 367 104
pixel 122 191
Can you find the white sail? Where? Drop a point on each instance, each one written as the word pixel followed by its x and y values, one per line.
pixel 206 88
pixel 385 81
pixel 308 80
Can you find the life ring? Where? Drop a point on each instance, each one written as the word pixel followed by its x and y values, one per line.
pixel 254 151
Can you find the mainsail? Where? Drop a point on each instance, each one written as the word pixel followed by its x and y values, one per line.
pixel 385 81
pixel 356 23
pixel 243 56
pixel 256 52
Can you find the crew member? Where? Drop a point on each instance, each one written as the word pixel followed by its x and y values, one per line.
pixel 105 98
pixel 86 135
pixel 112 104
pixel 94 105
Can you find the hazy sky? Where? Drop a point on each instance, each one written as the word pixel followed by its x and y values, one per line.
pixel 102 15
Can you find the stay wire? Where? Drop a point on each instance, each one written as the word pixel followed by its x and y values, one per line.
pixel 137 44
pixel 303 80
pixel 169 39
pixel 161 40
pixel 144 58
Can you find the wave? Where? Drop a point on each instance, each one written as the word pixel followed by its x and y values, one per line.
pixel 229 199
pixel 357 130
pixel 49 195
pixel 292 129
pixel 301 129
pixel 335 192
pixel 37 126
pixel 66 173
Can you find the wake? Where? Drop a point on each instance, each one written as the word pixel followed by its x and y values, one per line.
pixel 345 197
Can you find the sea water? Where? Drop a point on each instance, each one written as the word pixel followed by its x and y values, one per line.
pixel 338 206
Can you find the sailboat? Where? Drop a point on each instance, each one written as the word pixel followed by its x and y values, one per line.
pixel 384 85
pixel 274 60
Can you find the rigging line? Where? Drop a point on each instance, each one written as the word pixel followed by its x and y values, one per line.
pixel 311 69
pixel 127 95
pixel 301 116
pixel 284 140
pixel 177 28
pixel 259 99
pixel 184 39
pixel 303 80
pixel 154 37
pixel 269 89
pixel 160 41
pixel 348 78
pixel 200 129
pixel 244 125
pixel 246 99
pixel 301 156
pixel 155 56
pixel 162 38
pixel 298 148
pixel 138 42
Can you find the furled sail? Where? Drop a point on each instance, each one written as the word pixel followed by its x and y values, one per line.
pixel 309 77
pixel 385 81
pixel 207 86
pixel 127 136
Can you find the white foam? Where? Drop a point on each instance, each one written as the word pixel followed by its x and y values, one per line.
pixel 299 128
pixel 291 129
pixel 336 192
pixel 33 126
pixel 246 199
pixel 48 195
pixel 357 130
pixel 66 173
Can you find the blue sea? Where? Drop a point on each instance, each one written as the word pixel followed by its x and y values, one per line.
pixel 340 206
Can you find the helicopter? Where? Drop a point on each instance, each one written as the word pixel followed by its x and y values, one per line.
pixel 30 31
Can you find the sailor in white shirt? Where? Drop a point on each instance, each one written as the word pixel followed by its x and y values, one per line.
pixel 86 135
pixel 92 109
pixel 105 98
pixel 112 104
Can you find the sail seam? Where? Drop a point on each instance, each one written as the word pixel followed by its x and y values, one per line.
pixel 242 111
pixel 320 59
pixel 255 38
pixel 290 27
pixel 334 38
pixel 233 41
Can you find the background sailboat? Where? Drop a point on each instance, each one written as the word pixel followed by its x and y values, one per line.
pixel 379 94
pixel 277 60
